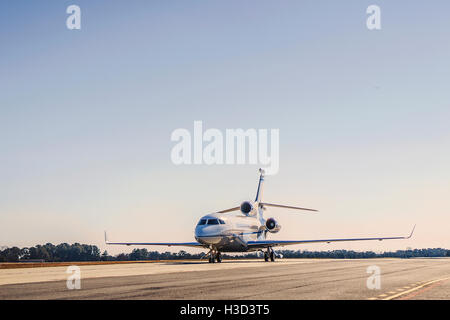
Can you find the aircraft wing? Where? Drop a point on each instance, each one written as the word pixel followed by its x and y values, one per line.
pixel 281 243
pixel 169 244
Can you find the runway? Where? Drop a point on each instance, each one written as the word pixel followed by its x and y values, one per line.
pixel 238 279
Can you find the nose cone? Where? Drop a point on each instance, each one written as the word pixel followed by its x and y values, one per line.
pixel 208 234
pixel 199 231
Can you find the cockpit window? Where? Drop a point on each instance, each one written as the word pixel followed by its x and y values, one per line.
pixel 221 221
pixel 213 221
pixel 202 222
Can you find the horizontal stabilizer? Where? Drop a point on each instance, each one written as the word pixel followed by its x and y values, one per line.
pixel 286 207
pixel 229 210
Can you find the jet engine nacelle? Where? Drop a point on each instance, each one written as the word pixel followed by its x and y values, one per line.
pixel 248 208
pixel 272 225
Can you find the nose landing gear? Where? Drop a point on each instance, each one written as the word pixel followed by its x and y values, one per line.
pixel 214 256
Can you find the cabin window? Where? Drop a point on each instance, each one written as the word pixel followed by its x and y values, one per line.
pixel 213 221
pixel 202 222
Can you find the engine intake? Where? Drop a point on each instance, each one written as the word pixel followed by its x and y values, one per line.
pixel 272 225
pixel 247 208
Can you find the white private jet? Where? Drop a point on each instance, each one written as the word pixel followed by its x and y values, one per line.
pixel 224 232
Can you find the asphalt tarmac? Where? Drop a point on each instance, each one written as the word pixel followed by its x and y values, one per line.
pixel 366 279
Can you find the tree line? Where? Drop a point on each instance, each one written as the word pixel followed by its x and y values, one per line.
pixel 83 252
pixel 60 253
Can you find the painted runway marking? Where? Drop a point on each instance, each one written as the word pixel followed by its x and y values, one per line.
pixel 409 289
pixel 414 289
pixel 415 293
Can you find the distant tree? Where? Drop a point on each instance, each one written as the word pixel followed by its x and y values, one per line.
pixel 106 257
pixel 122 257
pixel 139 254
pixel 154 255
pixel 11 254
pixel 83 252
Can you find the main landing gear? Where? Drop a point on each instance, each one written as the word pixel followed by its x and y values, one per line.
pixel 215 256
pixel 269 254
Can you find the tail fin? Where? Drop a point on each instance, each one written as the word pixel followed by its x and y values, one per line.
pixel 260 185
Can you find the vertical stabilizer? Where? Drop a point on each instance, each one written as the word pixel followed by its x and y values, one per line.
pixel 260 186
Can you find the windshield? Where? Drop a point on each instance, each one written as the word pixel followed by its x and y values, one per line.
pixel 201 222
pixel 213 221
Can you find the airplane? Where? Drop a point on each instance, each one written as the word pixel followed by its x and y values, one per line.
pixel 245 232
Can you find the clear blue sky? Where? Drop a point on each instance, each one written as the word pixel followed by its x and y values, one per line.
pixel 86 117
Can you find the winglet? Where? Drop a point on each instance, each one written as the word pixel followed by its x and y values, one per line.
pixel 106 238
pixel 410 235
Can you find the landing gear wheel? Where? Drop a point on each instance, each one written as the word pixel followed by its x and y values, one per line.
pixel 266 256
pixel 211 259
pixel 272 256
pixel 219 257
